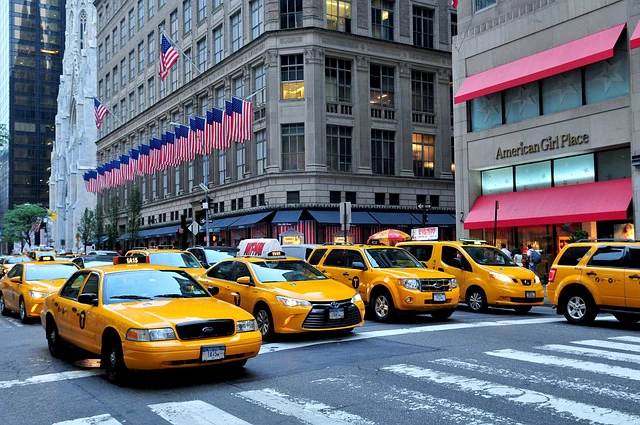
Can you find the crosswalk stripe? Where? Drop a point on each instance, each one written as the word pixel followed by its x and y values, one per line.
pixel 308 411
pixel 194 412
pixel 592 352
pixel 535 399
pixel 93 420
pixel 51 377
pixel 627 338
pixel 609 345
pixel 601 368
pixel 10 322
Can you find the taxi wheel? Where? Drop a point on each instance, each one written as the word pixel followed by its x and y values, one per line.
pixel 57 347
pixel 579 308
pixel 113 361
pixel 237 365
pixel 265 322
pixel 3 308
pixel 442 314
pixel 23 312
pixel 382 306
pixel 626 318
pixel 522 309
pixel 477 300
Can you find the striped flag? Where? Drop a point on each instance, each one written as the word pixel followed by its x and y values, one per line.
pixel 236 105
pixel 171 149
pixel 87 181
pixel 99 111
pixel 218 130
pixel 247 120
pixel 194 143
pixel 208 133
pixel 107 175
pixel 100 178
pixel 202 135
pixel 228 123
pixel 168 56
pixel 164 153
pixel 184 136
pixel 144 160
pixel 454 3
pixel 133 163
pixel 125 168
pixel 116 174
pixel 154 155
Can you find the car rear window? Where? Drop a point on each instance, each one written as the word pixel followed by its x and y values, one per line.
pixel 572 255
pixel 608 256
pixel 315 258
pixel 421 252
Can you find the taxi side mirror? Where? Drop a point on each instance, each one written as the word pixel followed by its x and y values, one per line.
pixel 89 299
pixel 244 280
pixel 359 265
pixel 16 279
pixel 213 290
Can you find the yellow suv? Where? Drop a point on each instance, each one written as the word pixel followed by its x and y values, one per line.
pixel 596 276
pixel 388 279
pixel 487 277
pixel 166 255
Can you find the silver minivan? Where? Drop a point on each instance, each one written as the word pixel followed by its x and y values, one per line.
pixel 301 251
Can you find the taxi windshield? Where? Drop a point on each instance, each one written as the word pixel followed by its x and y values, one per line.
pixel 285 271
pixel 149 284
pixel 182 260
pixel 16 260
pixel 391 258
pixel 489 256
pixel 215 256
pixel 49 271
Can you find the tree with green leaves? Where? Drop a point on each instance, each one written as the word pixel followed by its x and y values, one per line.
pixel 112 225
pixel 134 213
pixel 99 223
pixel 19 223
pixel 86 227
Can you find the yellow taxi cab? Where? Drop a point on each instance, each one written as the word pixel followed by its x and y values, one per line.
pixel 142 316
pixel 27 284
pixel 166 255
pixel 41 250
pixel 487 277
pixel 388 279
pixel 594 276
pixel 9 261
pixel 285 294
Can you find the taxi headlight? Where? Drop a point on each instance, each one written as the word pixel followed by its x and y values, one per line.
pixel 356 298
pixel 410 283
pixel 293 302
pixel 38 294
pixel 454 283
pixel 160 334
pixel 501 277
pixel 536 279
pixel 246 326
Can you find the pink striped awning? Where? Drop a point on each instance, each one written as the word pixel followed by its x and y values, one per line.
pixel 634 41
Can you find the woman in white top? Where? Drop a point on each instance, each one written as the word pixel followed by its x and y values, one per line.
pixel 517 256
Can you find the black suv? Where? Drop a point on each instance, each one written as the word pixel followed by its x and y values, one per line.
pixel 209 255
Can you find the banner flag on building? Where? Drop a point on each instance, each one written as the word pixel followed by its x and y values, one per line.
pixel 171 150
pixel 144 160
pixel 168 56
pixel 202 135
pixel 134 154
pixel 228 123
pixel 209 133
pixel 454 3
pixel 99 111
pixel 218 130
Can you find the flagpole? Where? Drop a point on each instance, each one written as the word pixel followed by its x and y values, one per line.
pixel 108 110
pixel 174 44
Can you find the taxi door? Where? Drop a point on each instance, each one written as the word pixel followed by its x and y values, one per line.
pixel 244 295
pixel 66 305
pixel 11 290
pixel 354 277
pixel 334 263
pixel 605 273
pixel 220 276
pixel 454 261
pixel 88 326
pixel 632 278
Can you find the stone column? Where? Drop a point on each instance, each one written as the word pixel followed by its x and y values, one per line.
pixel 362 118
pixel 403 116
pixel 443 121
pixel 272 84
pixel 250 146
pixel 315 122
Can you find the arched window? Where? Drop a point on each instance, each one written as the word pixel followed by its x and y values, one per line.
pixel 83 28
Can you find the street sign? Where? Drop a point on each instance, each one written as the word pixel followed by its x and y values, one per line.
pixel 345 215
pixel 194 227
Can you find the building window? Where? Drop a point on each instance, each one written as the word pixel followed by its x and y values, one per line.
pixel 339 15
pixel 293 197
pixel 108 80
pixel 152 48
pixel 290 14
pixel 219 95
pixel 258 85
pixel 123 72
pixel 141 56
pixel 238 87
pixel 562 91
pixel 486 111
pixel 423 148
pixel 257 18
pixel 150 7
pixel 186 64
pixel 190 175
pixel 115 112
pixel 202 9
pixel 382 152
pixel 609 78
pixel 203 102
pixel 335 196
pixel 100 22
pixel 218 44
pixel 123 33
pixel 454 25
pixel 173 74
pixel 381 86
pixel 222 167
pixel 132 104
pixel 152 91
pixel 177 180
pixel 422 27
pixel 254 201
pixel 339 148
pixel 236 32
pixel 217 3
pixel 382 19
pixel 173 24
pixel 161 3
pixel 154 186
pixel 141 98
pixel 140 14
pixel 394 199
pixel 293 146
pixel 261 200
pixel 165 184
pixel 292 75
pixel 479 5
pixel 132 64
pixel 100 92
pixel 379 198
pixel 132 24
pixel 233 205
pixel 202 54
pixel 522 102
pixel 116 77
pixel 115 40
pixel 261 151
pixel 337 80
pixel 422 91
pixel 222 206
pixel 240 161
pixel 100 56
pixel 186 15
pixel 350 197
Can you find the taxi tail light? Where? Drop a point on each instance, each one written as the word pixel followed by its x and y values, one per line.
pixel 552 274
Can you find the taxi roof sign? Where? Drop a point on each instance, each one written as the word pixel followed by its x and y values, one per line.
pixel 262 248
pixel 45 258
pixel 134 259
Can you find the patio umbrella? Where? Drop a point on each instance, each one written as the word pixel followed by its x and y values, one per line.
pixel 389 237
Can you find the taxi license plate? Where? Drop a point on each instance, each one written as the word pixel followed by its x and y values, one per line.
pixel 530 294
pixel 439 298
pixel 209 354
pixel 336 313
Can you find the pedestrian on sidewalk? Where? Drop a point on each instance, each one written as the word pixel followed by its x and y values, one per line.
pixel 517 256
pixel 505 250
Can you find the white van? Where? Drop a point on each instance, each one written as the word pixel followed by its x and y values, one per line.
pixel 301 251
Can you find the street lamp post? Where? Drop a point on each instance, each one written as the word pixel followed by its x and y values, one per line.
pixel 425 209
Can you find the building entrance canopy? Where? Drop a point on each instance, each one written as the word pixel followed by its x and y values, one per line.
pixel 600 201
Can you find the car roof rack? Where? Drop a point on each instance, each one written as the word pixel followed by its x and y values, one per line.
pixel 468 241
pixel 608 240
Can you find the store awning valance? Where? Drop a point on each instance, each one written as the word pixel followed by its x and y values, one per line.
pixel 249 220
pixel 634 41
pixel 563 58
pixel 159 231
pixel 608 200
pixel 286 217
pixel 395 218
pixel 437 219
pixel 326 217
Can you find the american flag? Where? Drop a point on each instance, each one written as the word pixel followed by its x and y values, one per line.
pixel 236 105
pixel 171 149
pixel 243 119
pixel 107 175
pixel 194 143
pixel 100 178
pixel 168 56
pixel 87 181
pixel 454 3
pixel 184 144
pixel 154 155
pixel 202 135
pixel 218 129
pixel 227 123
pixel 125 166
pixel 208 133
pixel 144 160
pixel 116 173
pixel 99 111
pixel 164 152
pixel 134 154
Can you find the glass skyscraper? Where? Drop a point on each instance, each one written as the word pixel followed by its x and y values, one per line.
pixel 32 41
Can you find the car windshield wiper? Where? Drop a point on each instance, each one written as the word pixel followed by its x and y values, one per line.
pixel 129 297
pixel 168 296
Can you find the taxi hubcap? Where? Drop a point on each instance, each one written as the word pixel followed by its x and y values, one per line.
pixel 23 311
pixel 113 359
pixel 263 322
pixel 52 336
pixel 576 308
pixel 382 307
pixel 1 302
pixel 475 301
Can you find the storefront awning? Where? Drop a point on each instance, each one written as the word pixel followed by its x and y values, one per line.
pixel 608 200
pixel 396 218
pixel 634 41
pixel 563 58
pixel 325 217
pixel 286 217
pixel 159 231
pixel 362 217
pixel 219 224
pixel 249 220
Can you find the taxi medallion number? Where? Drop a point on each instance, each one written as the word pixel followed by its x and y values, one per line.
pixel 439 298
pixel 212 353
pixel 530 294
pixel 336 313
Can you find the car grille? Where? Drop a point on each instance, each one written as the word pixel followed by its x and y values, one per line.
pixel 318 317
pixel 206 329
pixel 526 300
pixel 435 285
pixel 526 282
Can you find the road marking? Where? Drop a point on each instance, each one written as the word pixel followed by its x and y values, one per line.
pixel 601 368
pixel 534 399
pixel 592 352
pixel 51 377
pixel 610 345
pixel 627 338
pixel 194 412
pixel 275 347
pixel 307 411
pixel 94 420
pixel 10 322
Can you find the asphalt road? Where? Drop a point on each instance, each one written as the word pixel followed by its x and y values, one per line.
pixel 492 368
